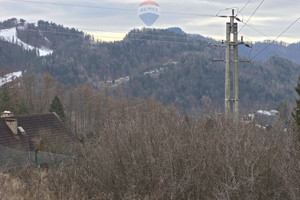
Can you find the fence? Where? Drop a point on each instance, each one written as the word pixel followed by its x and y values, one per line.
pixel 13 158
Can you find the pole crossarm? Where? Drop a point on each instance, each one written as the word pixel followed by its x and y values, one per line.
pixel 222 60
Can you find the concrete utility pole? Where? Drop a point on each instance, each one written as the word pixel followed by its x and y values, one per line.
pixel 231 44
pixel 227 71
pixel 235 75
pixel 231 30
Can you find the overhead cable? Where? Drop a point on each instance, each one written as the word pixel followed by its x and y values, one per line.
pixel 252 15
pixel 243 7
pixel 101 30
pixel 75 5
pixel 110 8
pixel 141 39
pixel 276 38
pixel 262 33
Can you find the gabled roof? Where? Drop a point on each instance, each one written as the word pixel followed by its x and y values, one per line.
pixel 36 127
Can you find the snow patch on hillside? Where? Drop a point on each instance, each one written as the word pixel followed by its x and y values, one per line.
pixel 10 77
pixel 10 35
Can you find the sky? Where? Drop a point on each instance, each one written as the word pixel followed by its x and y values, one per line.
pixel 110 20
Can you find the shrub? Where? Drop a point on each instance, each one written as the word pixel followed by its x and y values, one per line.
pixel 142 150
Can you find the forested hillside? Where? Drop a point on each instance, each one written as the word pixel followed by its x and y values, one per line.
pixel 13 58
pixel 132 143
pixel 190 86
pixel 171 66
pixel 258 51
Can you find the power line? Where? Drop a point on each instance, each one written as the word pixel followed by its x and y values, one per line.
pixel 173 37
pixel 111 8
pixel 81 34
pixel 161 36
pixel 75 5
pixel 141 39
pixel 190 14
pixel 243 7
pixel 276 38
pixel 100 30
pixel 179 42
pixel 56 32
pixel 252 15
pixel 262 33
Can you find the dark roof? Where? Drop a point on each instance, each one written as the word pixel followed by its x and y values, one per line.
pixel 45 126
pixel 265 120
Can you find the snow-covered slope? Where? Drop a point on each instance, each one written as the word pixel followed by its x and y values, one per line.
pixel 9 77
pixel 10 35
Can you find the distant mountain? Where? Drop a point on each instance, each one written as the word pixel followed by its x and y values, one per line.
pixel 284 50
pixel 14 53
pixel 288 51
pixel 195 36
pixel 170 65
pixel 176 30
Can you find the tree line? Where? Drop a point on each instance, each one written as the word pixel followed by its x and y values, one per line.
pixel 140 149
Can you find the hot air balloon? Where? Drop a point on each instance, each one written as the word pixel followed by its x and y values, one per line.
pixel 149 12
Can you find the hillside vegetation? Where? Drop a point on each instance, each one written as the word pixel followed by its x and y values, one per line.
pixel 142 150
pixel 187 77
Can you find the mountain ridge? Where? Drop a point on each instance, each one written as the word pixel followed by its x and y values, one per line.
pixel 181 71
pixel 274 48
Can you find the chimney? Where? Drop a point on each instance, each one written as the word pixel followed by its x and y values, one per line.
pixel 12 125
pixel 7 114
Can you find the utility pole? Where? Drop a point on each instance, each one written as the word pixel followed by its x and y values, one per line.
pixel 231 45
pixel 231 32
pixel 235 75
pixel 227 69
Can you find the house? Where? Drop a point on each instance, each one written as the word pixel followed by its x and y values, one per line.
pixel 262 118
pixel 266 119
pixel 21 137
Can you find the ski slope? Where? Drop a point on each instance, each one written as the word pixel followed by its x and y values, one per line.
pixel 10 35
pixel 10 77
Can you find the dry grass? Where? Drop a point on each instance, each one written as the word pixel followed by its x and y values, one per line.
pixel 11 187
pixel 142 150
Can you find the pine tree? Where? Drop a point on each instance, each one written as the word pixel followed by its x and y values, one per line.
pixel 5 101
pixel 283 108
pixel 58 108
pixel 296 113
pixel 22 108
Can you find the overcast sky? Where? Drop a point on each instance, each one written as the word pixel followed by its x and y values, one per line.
pixel 112 19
